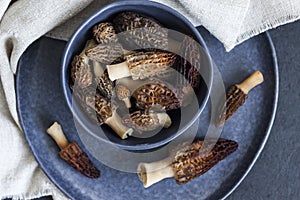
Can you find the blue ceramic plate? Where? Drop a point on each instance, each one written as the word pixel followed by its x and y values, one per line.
pixel 41 101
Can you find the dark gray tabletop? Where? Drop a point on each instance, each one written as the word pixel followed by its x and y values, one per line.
pixel 276 174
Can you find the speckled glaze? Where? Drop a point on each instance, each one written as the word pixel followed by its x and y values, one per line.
pixel 41 101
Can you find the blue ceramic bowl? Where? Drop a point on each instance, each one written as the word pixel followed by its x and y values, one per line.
pixel 170 19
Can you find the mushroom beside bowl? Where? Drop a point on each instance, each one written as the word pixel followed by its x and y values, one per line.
pixel 169 19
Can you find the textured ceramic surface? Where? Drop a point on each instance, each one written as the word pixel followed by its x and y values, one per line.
pixel 170 19
pixel 41 101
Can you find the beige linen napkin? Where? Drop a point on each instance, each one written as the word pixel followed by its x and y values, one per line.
pixel 20 25
pixel 232 22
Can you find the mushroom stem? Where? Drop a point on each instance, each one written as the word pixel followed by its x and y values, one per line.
pixel 131 84
pixel 127 102
pixel 115 122
pixel 98 69
pixel 164 119
pixel 56 132
pixel 118 71
pixel 151 173
pixel 189 94
pixel 252 81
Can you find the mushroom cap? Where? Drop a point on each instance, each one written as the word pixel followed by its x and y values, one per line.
pixel 81 74
pixel 190 62
pixel 157 95
pixel 147 64
pixel 103 107
pixel 190 162
pixel 235 98
pixel 142 121
pixel 73 155
pixel 105 53
pixel 105 85
pixel 105 33
pixel 122 92
pixel 141 31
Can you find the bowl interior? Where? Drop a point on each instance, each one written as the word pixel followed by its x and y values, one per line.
pixel 169 19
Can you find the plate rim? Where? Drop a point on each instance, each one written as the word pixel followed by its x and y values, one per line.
pixel 271 121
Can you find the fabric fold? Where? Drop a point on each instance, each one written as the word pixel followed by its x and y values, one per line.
pixel 22 23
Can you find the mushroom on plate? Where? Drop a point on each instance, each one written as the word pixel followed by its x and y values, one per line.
pixel 189 162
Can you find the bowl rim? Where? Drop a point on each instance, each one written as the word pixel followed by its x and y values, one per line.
pixel 65 65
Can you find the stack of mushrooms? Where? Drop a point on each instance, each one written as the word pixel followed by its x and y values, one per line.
pixel 133 72
pixel 108 75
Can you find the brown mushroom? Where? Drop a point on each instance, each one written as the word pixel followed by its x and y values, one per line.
pixel 141 32
pixel 189 162
pixel 147 121
pixel 72 153
pixel 106 112
pixel 236 96
pixel 141 65
pixel 105 53
pixel 190 62
pixel 105 33
pixel 124 94
pixel 81 74
pixel 161 96
pixel 105 85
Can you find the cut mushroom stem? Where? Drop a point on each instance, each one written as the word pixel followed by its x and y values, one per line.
pixel 118 71
pixel 252 81
pixel 164 119
pixel 130 84
pixel 151 173
pixel 115 122
pixel 56 132
pixel 98 69
pixel 141 65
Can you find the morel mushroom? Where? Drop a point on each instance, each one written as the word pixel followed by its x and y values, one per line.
pixel 236 96
pixel 80 69
pixel 141 65
pixel 105 53
pixel 188 163
pixel 72 153
pixel 161 96
pixel 124 94
pixel 107 114
pixel 105 33
pixel 141 32
pixel 105 85
pixel 190 63
pixel 147 121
